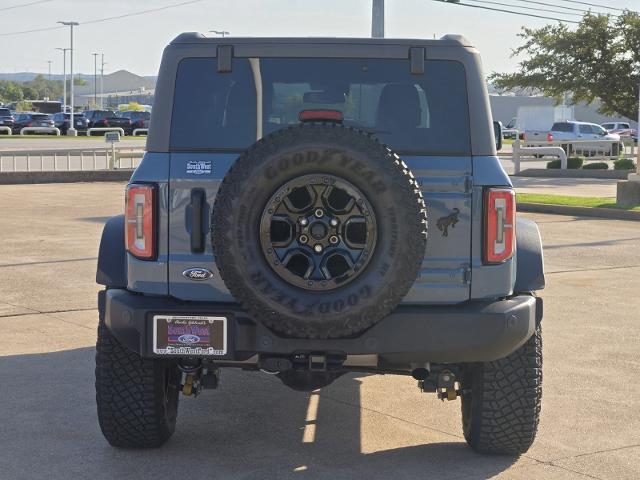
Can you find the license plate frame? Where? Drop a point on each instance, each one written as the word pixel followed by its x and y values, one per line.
pixel 190 335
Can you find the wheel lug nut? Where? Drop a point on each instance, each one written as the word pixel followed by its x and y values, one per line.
pixel 317 248
pixel 304 222
pixel 334 222
pixel 319 213
pixel 303 239
pixel 333 239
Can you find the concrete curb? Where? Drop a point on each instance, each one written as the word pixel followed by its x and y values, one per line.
pixel 12 178
pixel 575 173
pixel 608 213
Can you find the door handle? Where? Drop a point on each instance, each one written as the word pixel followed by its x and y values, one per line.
pixel 198 201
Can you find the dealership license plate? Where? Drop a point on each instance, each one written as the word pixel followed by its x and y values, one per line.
pixel 189 335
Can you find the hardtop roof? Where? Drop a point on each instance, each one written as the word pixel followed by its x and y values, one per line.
pixel 451 40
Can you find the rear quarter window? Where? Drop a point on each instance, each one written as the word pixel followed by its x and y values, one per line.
pixel 422 114
pixel 562 127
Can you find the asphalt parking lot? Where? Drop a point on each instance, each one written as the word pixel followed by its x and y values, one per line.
pixel 359 427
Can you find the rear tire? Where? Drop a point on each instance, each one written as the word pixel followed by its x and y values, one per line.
pixel 501 403
pixel 137 398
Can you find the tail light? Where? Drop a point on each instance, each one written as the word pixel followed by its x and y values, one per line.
pixel 549 137
pixel 499 221
pixel 140 221
pixel 522 137
pixel 28 124
pixel 106 123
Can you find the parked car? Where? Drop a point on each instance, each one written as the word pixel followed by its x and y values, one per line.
pixel 621 128
pixel 107 118
pixel 62 120
pixel 509 128
pixel 6 119
pixel 31 119
pixel 289 237
pixel 591 139
pixel 138 119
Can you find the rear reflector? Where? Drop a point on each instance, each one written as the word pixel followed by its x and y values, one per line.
pixel 140 221
pixel 321 115
pixel 500 216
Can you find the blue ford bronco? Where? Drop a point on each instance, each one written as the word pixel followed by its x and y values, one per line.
pixel 313 207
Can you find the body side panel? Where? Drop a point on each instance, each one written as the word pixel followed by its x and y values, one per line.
pixel 145 276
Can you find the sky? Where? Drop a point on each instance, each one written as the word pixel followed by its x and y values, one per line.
pixel 135 43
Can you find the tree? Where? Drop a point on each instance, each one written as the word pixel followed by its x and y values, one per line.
pixel 10 91
pixel 600 59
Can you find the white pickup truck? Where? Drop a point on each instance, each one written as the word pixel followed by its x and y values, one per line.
pixel 590 139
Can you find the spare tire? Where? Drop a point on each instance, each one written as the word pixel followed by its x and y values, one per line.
pixel 319 231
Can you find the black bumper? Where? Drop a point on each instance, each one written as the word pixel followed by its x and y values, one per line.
pixel 471 332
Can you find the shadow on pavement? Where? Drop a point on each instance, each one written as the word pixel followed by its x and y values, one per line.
pixel 251 428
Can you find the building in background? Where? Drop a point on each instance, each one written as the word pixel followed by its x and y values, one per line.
pixel 505 107
pixel 119 87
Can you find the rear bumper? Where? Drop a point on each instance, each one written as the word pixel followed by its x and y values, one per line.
pixel 470 332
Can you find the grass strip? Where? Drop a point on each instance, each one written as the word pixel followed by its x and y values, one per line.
pixel 587 202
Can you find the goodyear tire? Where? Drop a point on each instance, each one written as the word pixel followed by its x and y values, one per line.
pixel 137 398
pixel 319 231
pixel 501 401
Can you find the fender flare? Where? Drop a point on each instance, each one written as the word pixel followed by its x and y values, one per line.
pixel 529 257
pixel 112 256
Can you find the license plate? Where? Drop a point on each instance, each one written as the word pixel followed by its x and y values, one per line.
pixel 189 335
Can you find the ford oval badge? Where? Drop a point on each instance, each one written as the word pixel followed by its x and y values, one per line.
pixel 197 274
pixel 188 339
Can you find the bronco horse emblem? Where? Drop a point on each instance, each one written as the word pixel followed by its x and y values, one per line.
pixel 449 221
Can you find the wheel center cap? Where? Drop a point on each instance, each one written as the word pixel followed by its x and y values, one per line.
pixel 318 230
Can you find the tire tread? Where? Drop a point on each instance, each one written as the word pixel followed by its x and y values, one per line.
pixel 130 396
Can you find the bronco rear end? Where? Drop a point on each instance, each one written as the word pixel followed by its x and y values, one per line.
pixel 310 207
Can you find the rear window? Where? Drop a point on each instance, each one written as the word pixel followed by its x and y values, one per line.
pixel 101 115
pixel 425 113
pixel 562 127
pixel 41 117
pixel 5 112
pixel 137 115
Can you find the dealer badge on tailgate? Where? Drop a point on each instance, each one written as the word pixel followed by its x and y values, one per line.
pixel 189 335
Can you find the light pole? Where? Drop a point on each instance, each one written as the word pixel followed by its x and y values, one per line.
pixel 102 64
pixel 377 19
pixel 64 75
pixel 636 176
pixel 71 131
pixel 222 33
pixel 95 80
pixel 49 79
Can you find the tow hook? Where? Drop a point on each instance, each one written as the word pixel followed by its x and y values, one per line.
pixel 195 378
pixel 443 383
pixel 188 384
pixel 447 394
